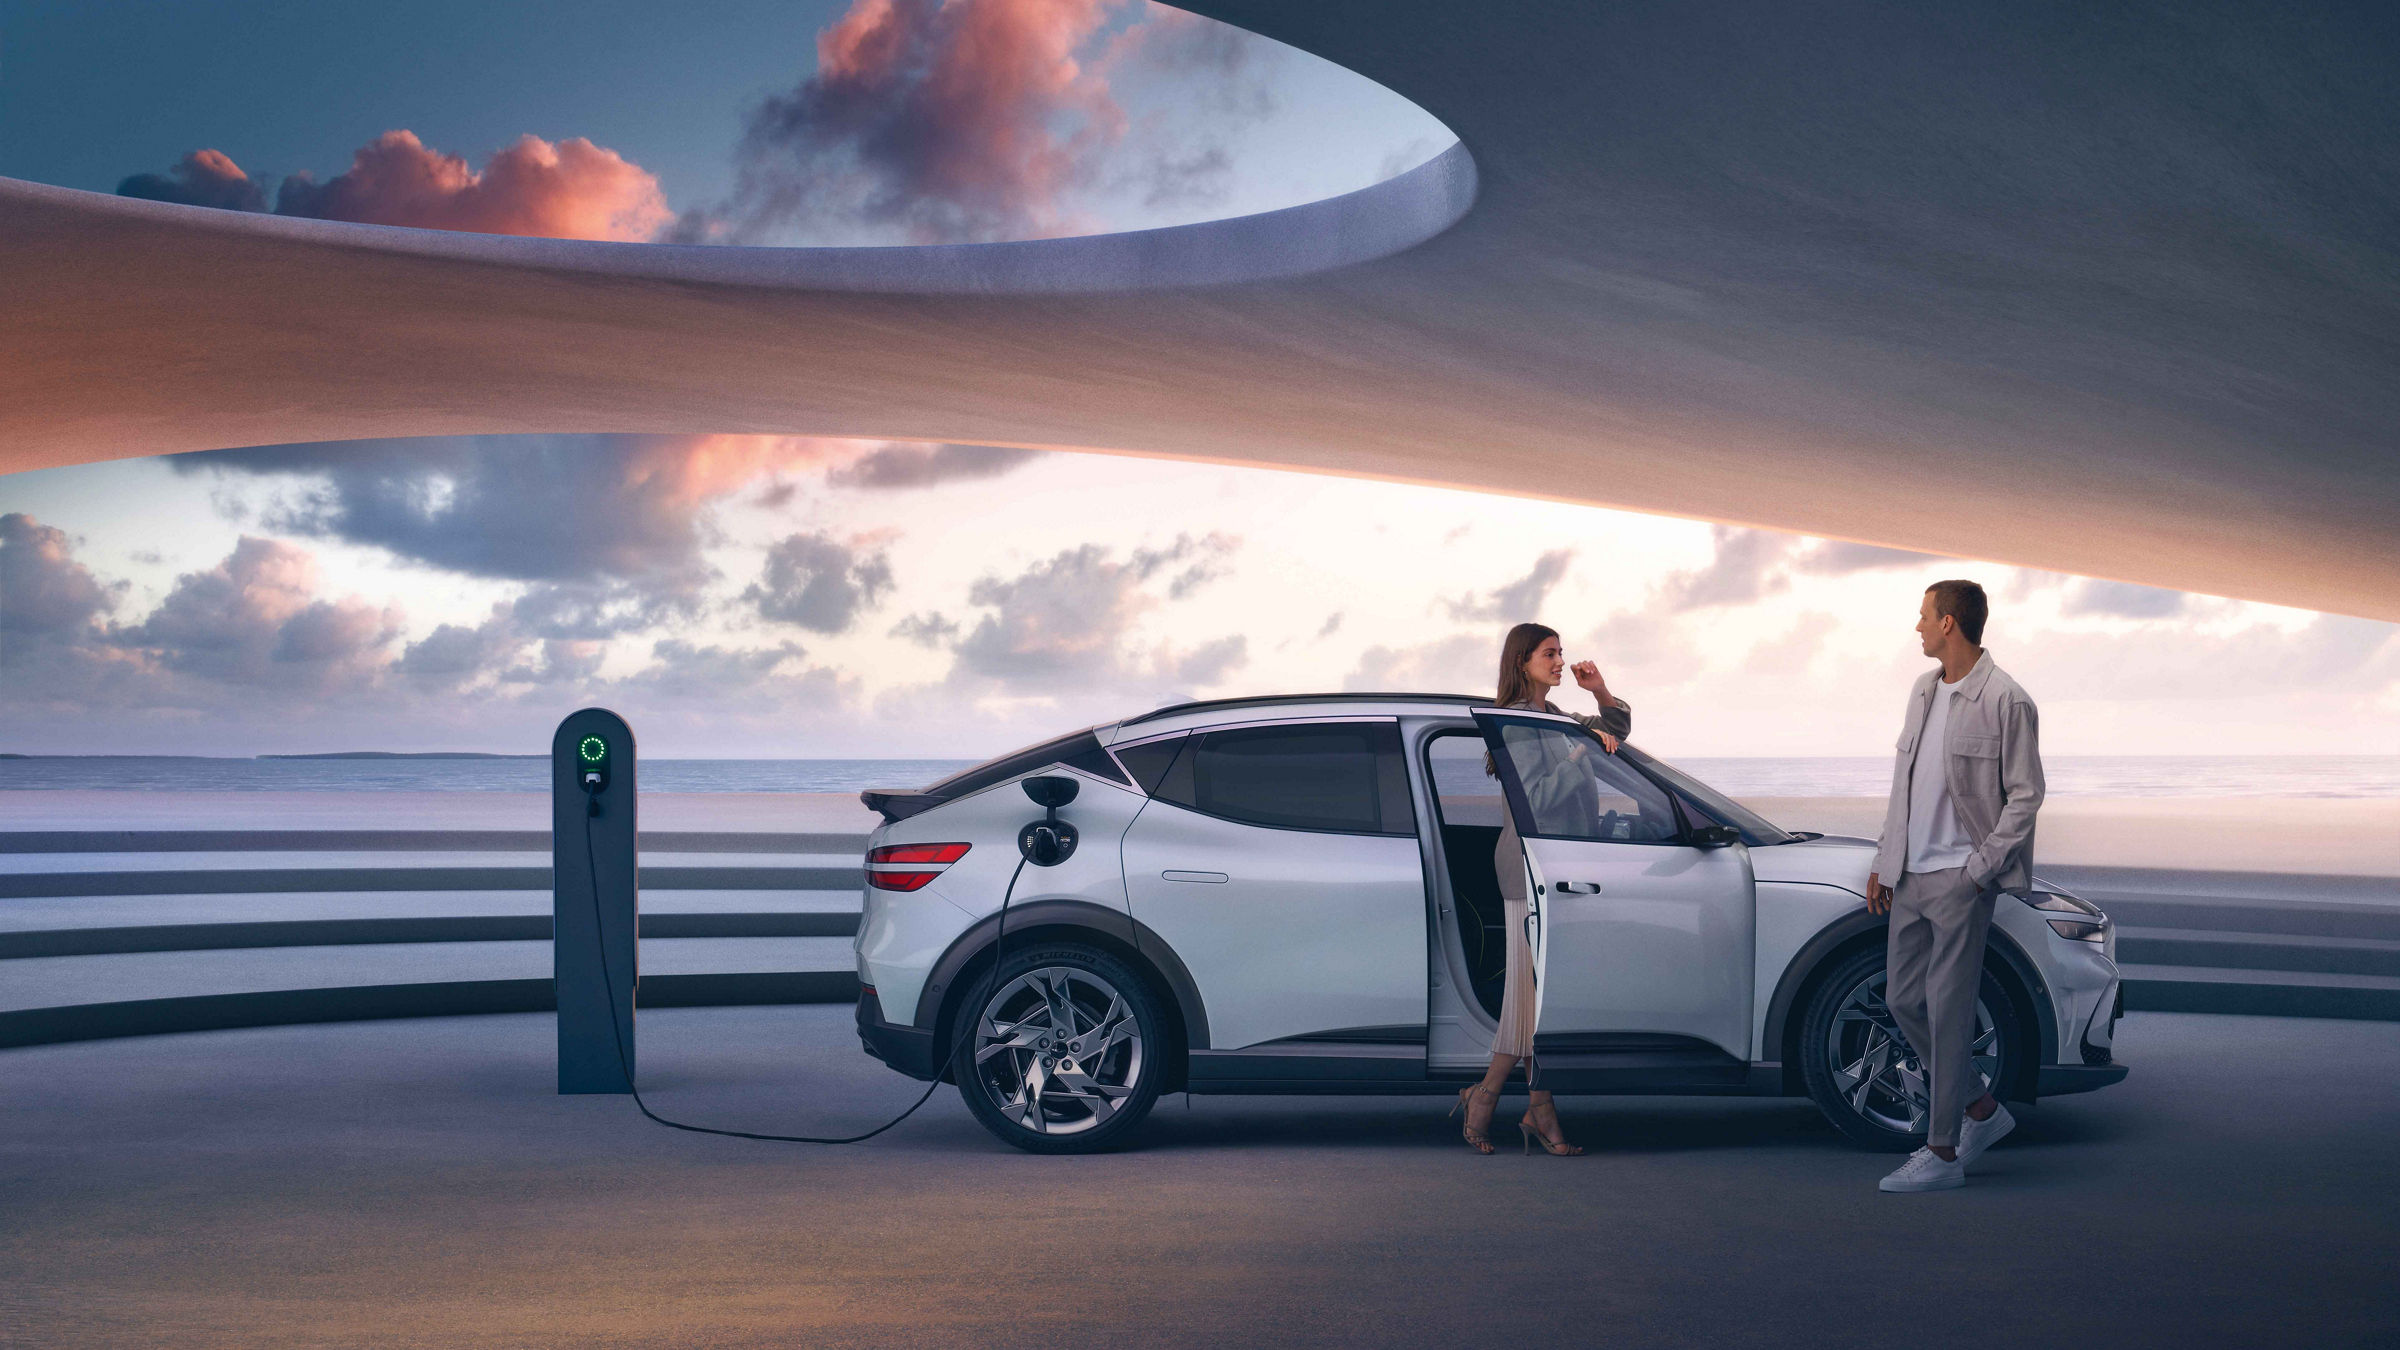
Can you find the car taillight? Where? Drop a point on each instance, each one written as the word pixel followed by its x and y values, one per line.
pixel 907 867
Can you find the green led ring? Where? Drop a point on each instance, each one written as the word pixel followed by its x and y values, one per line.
pixel 593 749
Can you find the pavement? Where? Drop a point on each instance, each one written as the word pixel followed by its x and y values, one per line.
pixel 418 1183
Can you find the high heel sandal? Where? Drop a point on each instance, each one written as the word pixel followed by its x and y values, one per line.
pixel 1476 1139
pixel 1528 1131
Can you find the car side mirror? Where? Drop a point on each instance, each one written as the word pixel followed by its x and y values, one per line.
pixel 1051 793
pixel 1714 836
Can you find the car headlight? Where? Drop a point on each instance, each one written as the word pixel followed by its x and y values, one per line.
pixel 2083 921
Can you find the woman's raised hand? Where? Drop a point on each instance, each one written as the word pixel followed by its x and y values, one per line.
pixel 1588 675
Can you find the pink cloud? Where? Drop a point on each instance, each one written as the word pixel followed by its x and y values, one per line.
pixel 569 190
pixel 949 119
pixel 201 178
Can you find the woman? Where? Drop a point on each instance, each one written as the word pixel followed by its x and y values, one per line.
pixel 1531 665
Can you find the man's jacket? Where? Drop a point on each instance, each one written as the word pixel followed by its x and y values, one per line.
pixel 1992 754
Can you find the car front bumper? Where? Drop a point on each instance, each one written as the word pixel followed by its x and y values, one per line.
pixel 907 1049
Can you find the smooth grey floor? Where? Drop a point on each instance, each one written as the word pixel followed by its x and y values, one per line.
pixel 417 1183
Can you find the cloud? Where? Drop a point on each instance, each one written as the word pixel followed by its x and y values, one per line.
pixel 592 514
pixel 1840 558
pixel 1748 565
pixel 1790 652
pixel 1519 600
pixel 935 121
pixel 919 466
pixel 1064 622
pixel 1463 663
pixel 201 178
pixel 2327 656
pixel 959 121
pixel 819 583
pixel 570 189
pixel 455 654
pixel 1333 625
pixel 691 672
pixel 255 619
pixel 2124 600
pixel 43 590
pixel 1210 662
pixel 928 629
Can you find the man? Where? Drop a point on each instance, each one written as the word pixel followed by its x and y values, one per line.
pixel 1958 832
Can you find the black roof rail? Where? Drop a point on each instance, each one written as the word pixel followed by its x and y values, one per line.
pixel 1256 700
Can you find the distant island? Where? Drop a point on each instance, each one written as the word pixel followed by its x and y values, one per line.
pixel 405 754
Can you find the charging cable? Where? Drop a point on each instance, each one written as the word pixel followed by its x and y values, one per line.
pixel 625 1062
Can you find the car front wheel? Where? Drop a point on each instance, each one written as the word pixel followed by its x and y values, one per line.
pixel 1066 1050
pixel 1862 1072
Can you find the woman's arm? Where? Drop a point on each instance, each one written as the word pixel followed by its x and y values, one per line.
pixel 1615 719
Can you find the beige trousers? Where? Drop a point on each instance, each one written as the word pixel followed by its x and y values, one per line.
pixel 1934 964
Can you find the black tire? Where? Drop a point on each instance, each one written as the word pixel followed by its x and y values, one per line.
pixel 1833 1091
pixel 1104 1099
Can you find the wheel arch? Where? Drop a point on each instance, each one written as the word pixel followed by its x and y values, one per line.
pixel 1109 930
pixel 2018 977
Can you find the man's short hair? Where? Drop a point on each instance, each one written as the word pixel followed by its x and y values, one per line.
pixel 1963 601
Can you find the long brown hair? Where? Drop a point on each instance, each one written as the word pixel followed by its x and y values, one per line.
pixel 1515 651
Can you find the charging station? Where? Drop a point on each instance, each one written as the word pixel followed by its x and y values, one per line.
pixel 595 909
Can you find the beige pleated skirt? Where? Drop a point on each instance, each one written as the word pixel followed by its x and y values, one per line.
pixel 1515 1036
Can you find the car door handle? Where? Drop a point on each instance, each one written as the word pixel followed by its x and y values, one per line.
pixel 1210 878
pixel 1579 888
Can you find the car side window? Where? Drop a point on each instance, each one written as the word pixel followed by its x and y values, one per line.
pixel 1344 777
pixel 1576 790
pixel 1149 761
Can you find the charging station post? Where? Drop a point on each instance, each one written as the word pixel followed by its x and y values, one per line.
pixel 594 910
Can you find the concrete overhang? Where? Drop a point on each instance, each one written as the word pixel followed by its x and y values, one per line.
pixel 2110 292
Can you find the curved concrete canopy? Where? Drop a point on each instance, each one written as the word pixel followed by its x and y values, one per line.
pixel 2105 293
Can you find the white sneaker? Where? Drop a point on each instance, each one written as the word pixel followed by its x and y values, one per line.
pixel 1974 1136
pixel 1924 1172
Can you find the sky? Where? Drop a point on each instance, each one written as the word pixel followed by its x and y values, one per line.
pixel 788 596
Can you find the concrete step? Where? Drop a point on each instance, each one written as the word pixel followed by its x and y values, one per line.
pixel 2295 993
pixel 2258 951
pixel 67 998
pixel 120 911
pixel 337 840
pixel 60 981
pixel 244 880
pixel 43 864
pixel 194 937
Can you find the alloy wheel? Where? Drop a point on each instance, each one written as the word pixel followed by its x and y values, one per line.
pixel 1058 1049
pixel 1875 1069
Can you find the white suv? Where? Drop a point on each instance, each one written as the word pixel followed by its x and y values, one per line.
pixel 1297 895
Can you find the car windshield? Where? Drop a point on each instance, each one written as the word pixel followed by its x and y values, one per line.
pixel 1757 831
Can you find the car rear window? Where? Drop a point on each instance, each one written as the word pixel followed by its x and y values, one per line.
pixel 1344 777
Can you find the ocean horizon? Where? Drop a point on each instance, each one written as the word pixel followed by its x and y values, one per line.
pixel 2287 776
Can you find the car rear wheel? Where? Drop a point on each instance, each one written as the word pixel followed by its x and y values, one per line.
pixel 1066 1050
pixel 1862 1072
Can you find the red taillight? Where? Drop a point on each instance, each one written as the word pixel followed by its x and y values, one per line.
pixel 907 867
pixel 917 853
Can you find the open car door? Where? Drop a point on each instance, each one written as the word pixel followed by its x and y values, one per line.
pixel 1644 937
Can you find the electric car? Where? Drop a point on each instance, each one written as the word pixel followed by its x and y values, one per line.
pixel 1298 895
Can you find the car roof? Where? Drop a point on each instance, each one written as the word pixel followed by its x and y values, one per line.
pixel 1209 712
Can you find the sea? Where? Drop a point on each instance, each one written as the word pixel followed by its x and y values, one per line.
pixel 1863 776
